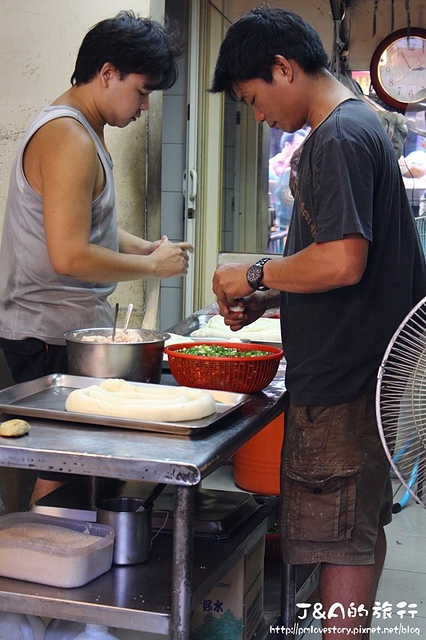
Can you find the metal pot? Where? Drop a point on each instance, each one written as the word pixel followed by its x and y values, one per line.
pixel 137 361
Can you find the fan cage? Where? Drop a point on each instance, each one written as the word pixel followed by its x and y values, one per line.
pixel 421 228
pixel 401 401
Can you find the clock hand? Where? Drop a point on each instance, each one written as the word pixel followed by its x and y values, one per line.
pixel 406 61
pixel 418 67
pixel 402 76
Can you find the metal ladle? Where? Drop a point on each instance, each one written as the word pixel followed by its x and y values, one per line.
pixel 114 328
pixel 154 494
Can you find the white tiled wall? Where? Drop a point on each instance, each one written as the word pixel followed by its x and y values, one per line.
pixel 173 165
pixel 229 160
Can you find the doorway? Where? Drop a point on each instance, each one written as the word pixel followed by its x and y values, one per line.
pixel 214 166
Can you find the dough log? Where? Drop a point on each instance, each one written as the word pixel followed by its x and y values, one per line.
pixel 261 330
pixel 120 399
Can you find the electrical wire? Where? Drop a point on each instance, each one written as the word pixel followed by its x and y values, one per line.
pixel 220 12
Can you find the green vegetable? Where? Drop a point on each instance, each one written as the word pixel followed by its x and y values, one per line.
pixel 216 351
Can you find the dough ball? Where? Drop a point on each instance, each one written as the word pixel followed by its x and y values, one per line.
pixel 14 428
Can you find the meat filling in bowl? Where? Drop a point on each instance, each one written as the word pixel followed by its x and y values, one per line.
pixel 120 336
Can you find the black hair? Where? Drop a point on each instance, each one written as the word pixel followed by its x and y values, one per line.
pixel 252 42
pixel 133 45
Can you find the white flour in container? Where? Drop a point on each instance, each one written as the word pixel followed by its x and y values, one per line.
pixel 51 554
pixel 54 537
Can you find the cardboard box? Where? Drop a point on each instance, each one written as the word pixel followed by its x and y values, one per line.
pixel 234 607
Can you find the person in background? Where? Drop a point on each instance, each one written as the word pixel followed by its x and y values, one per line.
pixel 62 252
pixel 280 165
pixel 414 165
pixel 352 269
pixel 396 129
pixel 289 142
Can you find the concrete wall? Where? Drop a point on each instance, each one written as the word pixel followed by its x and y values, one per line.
pixel 359 20
pixel 39 40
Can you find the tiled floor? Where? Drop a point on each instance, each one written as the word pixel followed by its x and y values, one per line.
pixel 404 574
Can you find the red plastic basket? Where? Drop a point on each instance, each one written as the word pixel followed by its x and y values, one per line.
pixel 237 374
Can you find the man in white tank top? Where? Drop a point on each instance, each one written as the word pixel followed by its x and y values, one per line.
pixel 62 252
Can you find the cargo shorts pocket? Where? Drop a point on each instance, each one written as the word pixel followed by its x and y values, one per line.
pixel 318 509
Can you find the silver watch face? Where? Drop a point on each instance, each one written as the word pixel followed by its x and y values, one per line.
pixel 254 275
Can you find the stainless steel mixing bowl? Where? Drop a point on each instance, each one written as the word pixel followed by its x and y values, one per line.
pixel 137 361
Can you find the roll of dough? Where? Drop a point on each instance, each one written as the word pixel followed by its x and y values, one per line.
pixel 261 330
pixel 120 399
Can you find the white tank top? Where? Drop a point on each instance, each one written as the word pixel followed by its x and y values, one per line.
pixel 35 301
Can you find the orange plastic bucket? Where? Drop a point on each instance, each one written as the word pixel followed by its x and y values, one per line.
pixel 257 463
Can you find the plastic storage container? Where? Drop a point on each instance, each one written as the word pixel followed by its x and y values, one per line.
pixel 39 628
pixel 95 632
pixel 257 463
pixel 15 626
pixel 46 549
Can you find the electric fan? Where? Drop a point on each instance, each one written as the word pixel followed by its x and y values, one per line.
pixel 401 404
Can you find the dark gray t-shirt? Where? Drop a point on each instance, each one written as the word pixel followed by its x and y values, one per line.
pixel 348 181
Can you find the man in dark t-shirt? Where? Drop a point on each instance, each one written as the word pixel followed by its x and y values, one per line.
pixel 353 269
pixel 347 182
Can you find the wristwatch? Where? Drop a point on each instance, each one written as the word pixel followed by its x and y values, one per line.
pixel 255 275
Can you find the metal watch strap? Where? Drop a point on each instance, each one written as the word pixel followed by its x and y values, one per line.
pixel 260 263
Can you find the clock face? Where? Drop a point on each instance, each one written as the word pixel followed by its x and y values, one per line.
pixel 398 67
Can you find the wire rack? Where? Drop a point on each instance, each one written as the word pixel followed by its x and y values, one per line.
pixel 401 402
pixel 421 228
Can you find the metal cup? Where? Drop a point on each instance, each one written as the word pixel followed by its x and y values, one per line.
pixel 132 525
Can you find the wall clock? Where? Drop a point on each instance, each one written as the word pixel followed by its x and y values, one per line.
pixel 398 67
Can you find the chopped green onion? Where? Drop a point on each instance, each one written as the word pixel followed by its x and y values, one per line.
pixel 216 351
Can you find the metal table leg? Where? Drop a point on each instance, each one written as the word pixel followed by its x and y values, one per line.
pixel 182 561
pixel 288 598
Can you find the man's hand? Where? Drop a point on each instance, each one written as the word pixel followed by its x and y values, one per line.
pixel 186 246
pixel 230 283
pixel 170 259
pixel 247 311
pixel 238 304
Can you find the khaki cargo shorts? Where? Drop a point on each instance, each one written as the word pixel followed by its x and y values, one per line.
pixel 335 484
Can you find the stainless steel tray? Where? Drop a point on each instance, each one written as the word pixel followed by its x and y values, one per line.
pixel 45 398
